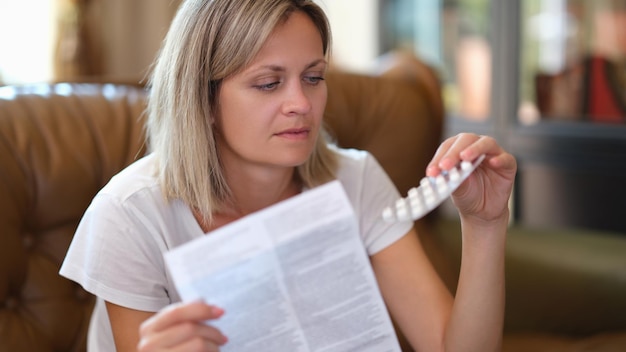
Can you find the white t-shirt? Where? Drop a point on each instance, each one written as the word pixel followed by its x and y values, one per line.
pixel 117 251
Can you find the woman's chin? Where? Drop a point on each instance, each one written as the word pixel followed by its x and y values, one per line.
pixel 294 159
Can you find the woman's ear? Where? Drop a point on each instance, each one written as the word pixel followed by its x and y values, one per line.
pixel 214 121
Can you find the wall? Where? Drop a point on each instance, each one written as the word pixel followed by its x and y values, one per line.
pixel 132 33
pixel 128 34
pixel 27 38
pixel 354 25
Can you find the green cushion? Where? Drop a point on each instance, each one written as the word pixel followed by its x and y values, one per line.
pixel 571 282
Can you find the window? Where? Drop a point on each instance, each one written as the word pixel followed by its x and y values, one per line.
pixel 574 61
pixel 453 36
pixel 547 79
pixel 26 40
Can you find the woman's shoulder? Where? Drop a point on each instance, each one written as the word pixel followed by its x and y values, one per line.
pixel 137 177
pixel 355 158
pixel 351 155
pixel 355 164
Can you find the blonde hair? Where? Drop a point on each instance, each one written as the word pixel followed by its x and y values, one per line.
pixel 208 41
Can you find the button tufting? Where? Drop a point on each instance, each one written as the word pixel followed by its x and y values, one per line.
pixel 11 303
pixel 28 240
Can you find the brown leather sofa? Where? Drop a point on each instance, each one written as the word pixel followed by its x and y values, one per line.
pixel 60 143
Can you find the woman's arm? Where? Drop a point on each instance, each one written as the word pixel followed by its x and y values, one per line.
pixel 125 324
pixel 417 299
pixel 423 307
pixel 478 312
pixel 178 327
pixel 416 296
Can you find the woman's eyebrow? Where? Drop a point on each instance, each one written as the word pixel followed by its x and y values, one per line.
pixel 278 68
pixel 315 63
pixel 273 68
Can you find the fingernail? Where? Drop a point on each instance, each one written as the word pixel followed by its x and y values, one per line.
pixel 217 310
pixel 431 169
pixel 465 154
pixel 445 164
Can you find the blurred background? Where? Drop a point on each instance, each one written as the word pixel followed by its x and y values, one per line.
pixel 547 78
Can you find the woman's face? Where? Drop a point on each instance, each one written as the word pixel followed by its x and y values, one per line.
pixel 271 112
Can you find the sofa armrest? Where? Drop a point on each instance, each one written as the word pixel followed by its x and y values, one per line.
pixel 569 282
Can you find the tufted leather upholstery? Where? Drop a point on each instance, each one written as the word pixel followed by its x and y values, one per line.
pixel 388 117
pixel 60 143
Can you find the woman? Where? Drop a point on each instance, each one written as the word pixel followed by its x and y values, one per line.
pixel 235 125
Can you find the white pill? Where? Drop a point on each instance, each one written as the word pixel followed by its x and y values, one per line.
pixel 454 174
pixel 402 214
pixel 442 186
pixel 388 214
pixel 417 210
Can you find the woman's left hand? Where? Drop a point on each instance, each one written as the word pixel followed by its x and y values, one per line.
pixel 485 194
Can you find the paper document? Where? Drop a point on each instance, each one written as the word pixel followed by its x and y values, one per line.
pixel 292 277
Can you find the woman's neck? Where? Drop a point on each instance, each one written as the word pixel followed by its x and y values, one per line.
pixel 250 194
pixel 255 189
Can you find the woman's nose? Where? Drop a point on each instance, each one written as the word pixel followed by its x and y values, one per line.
pixel 297 102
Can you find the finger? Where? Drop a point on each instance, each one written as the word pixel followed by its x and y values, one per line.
pixel 180 312
pixel 433 169
pixel 449 152
pixel 504 161
pixel 180 334
pixel 483 145
pixel 196 345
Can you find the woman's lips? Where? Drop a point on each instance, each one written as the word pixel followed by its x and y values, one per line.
pixel 294 133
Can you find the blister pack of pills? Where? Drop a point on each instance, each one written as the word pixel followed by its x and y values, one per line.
pixel 430 193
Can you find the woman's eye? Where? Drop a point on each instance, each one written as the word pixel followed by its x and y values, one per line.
pixel 267 86
pixel 314 80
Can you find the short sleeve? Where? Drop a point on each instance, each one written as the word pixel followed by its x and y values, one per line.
pixel 371 190
pixel 118 257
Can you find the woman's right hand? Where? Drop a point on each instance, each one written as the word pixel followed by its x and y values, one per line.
pixel 181 327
